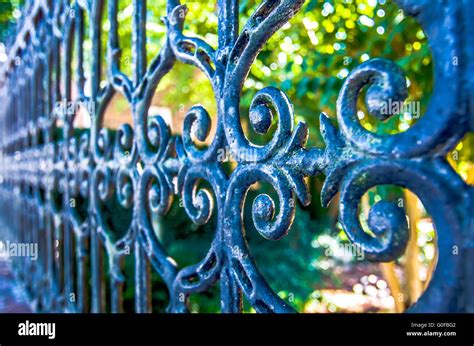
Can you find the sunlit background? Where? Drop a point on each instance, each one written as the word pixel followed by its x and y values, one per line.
pixel 309 58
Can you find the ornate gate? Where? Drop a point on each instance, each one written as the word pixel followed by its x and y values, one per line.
pixel 49 170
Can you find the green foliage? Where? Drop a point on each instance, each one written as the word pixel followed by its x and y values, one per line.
pixel 308 59
pixel 8 15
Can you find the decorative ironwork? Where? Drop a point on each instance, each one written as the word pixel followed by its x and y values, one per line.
pixel 46 164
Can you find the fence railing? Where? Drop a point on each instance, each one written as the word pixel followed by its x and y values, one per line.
pixel 55 180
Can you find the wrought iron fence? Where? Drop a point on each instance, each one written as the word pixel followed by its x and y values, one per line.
pixel 56 180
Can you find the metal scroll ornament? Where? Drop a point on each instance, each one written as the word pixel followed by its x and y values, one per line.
pixel 49 167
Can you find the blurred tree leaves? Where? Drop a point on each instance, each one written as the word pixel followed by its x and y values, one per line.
pixel 308 59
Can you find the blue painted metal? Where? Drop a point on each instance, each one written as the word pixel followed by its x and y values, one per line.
pixel 46 167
